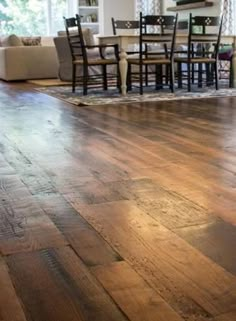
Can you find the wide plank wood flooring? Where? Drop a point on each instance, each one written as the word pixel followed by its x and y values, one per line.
pixel 116 213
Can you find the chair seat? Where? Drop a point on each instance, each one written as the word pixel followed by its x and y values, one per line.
pixel 149 61
pixel 195 60
pixel 94 62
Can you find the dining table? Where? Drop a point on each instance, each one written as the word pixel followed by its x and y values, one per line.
pixel 125 40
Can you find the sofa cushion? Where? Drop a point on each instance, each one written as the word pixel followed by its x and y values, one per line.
pixel 87 33
pixel 11 41
pixel 31 41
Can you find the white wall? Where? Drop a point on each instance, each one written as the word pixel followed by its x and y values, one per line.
pixel 119 9
pixel 211 11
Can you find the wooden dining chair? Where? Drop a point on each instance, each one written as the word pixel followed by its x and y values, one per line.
pixel 80 57
pixel 124 25
pixel 203 48
pixel 156 31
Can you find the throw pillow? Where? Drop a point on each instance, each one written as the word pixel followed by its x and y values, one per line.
pixel 11 41
pixel 31 41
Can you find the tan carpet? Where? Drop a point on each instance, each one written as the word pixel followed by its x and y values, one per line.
pixel 48 82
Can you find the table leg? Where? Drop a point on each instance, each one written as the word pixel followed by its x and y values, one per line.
pixel 123 65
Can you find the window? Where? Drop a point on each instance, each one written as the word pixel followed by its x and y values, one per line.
pixel 56 10
pixel 32 17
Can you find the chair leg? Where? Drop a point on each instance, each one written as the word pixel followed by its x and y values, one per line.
pixel 208 75
pixel 200 75
pixel 193 73
pixel 172 77
pixel 146 75
pixel 73 77
pixel 179 68
pixel 158 76
pixel 104 72
pixel 231 73
pixel 216 75
pixel 85 79
pixel 161 76
pixel 141 79
pixel 167 75
pixel 189 76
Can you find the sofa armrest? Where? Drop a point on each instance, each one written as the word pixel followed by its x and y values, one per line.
pixel 28 62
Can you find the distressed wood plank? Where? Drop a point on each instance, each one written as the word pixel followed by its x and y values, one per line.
pixel 63 286
pixel 186 279
pixel 25 227
pixel 231 316
pixel 87 243
pixel 132 294
pixel 10 305
pixel 216 240
pixel 168 208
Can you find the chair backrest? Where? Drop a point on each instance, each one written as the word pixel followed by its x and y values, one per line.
pixel 75 38
pixel 124 25
pixel 158 29
pixel 183 25
pixel 205 31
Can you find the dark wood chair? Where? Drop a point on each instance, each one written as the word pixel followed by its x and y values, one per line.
pixel 80 57
pixel 124 25
pixel 156 31
pixel 203 47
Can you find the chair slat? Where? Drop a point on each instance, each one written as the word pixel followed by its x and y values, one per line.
pixel 124 25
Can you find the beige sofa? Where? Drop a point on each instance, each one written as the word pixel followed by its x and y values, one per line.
pixel 20 62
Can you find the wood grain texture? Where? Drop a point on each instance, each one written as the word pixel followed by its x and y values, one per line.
pixel 216 240
pixel 165 261
pixel 87 243
pixel 63 286
pixel 138 300
pixel 25 227
pixel 231 316
pixel 10 305
pixel 168 208
pixel 143 195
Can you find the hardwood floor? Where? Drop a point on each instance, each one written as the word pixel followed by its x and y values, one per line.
pixel 116 213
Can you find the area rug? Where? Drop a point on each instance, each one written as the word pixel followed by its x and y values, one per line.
pixel 112 96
